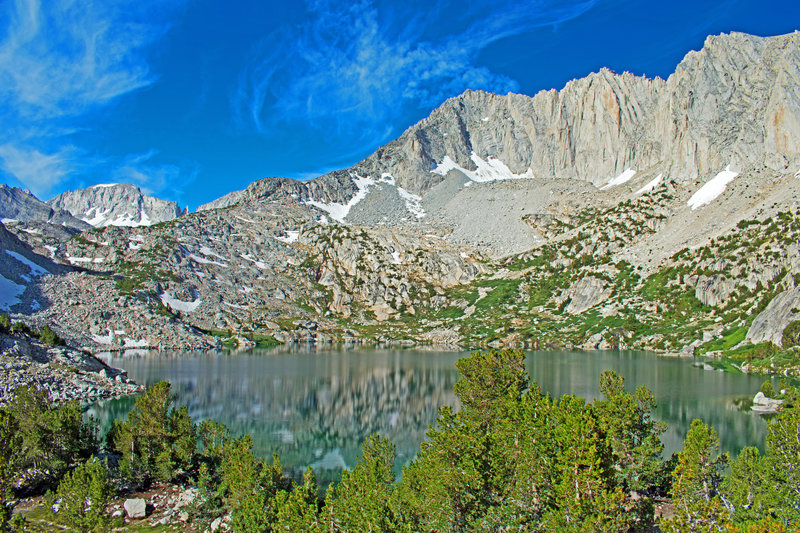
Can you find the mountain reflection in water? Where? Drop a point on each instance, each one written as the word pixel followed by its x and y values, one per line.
pixel 317 408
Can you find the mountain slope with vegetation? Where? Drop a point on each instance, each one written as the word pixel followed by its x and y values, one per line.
pixel 620 211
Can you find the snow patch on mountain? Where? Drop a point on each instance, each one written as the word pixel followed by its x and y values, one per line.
pixel 259 264
pixel 103 339
pixel 490 170
pixel 413 202
pixel 35 269
pixel 290 237
pixel 175 304
pixel 205 261
pixel 338 212
pixel 712 189
pixel 619 180
pixel 205 250
pixel 9 293
pixel 79 260
pixel 650 185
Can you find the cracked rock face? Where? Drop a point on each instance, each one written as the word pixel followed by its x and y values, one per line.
pixel 770 323
pixel 613 171
pixel 585 294
pixel 118 204
pixel 17 205
pixel 732 105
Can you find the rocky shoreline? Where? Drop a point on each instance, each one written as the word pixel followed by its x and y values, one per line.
pixel 63 373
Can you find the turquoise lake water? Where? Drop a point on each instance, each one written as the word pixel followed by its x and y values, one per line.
pixel 317 407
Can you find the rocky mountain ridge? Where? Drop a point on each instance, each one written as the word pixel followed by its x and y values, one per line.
pixel 17 205
pixel 116 204
pixel 620 211
pixel 733 105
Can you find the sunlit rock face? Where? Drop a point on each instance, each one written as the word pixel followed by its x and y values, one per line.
pixel 116 204
pixel 493 212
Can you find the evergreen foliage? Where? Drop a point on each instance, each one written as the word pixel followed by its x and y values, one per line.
pixel 514 456
pixel 511 459
pixel 82 498
pixel 783 466
pixel 791 335
pixel 696 480
pixel 361 500
pixel 157 442
pixel 52 438
pixel 49 337
pixel 298 510
pixel 9 443
pixel 745 486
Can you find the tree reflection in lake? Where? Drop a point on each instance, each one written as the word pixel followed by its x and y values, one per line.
pixel 317 408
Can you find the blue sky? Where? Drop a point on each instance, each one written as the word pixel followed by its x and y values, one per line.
pixel 191 99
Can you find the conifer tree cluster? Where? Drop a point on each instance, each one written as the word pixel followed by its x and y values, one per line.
pixel 510 459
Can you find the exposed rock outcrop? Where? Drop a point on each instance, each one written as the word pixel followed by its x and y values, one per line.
pixel 714 290
pixel 585 294
pixel 232 198
pixel 63 373
pixel 770 323
pixel 17 205
pixel 116 204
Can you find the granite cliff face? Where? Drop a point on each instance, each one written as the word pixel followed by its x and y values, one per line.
pixel 117 204
pixel 17 205
pixel 733 105
pixel 659 214
pixel 228 200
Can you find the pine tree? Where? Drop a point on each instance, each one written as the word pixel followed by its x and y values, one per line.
pixel 82 498
pixel 783 464
pixel 696 483
pixel 9 445
pixel 53 438
pixel 582 471
pixel 299 509
pixel 157 441
pixel 523 458
pixel 361 500
pixel 746 486
pixel 630 431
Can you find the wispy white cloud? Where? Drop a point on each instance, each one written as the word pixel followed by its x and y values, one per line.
pixel 37 171
pixel 59 60
pixel 153 177
pixel 67 56
pixel 356 67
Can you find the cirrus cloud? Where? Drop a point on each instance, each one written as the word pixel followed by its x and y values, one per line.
pixel 60 60
pixel 355 67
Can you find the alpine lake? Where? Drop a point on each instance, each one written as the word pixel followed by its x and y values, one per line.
pixel 317 407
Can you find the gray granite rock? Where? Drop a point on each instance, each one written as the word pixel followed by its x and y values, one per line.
pixel 135 508
pixel 116 204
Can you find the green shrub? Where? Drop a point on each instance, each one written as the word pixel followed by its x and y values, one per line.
pixel 9 444
pixel 791 335
pixel 5 323
pixel 53 438
pixel 49 337
pixel 82 497
pixel 20 328
pixel 157 441
pixel 767 389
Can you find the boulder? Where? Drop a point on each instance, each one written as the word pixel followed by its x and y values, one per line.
pixel 585 294
pixel 135 508
pixel 770 323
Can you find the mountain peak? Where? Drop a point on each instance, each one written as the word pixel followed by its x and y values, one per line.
pixel 116 204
